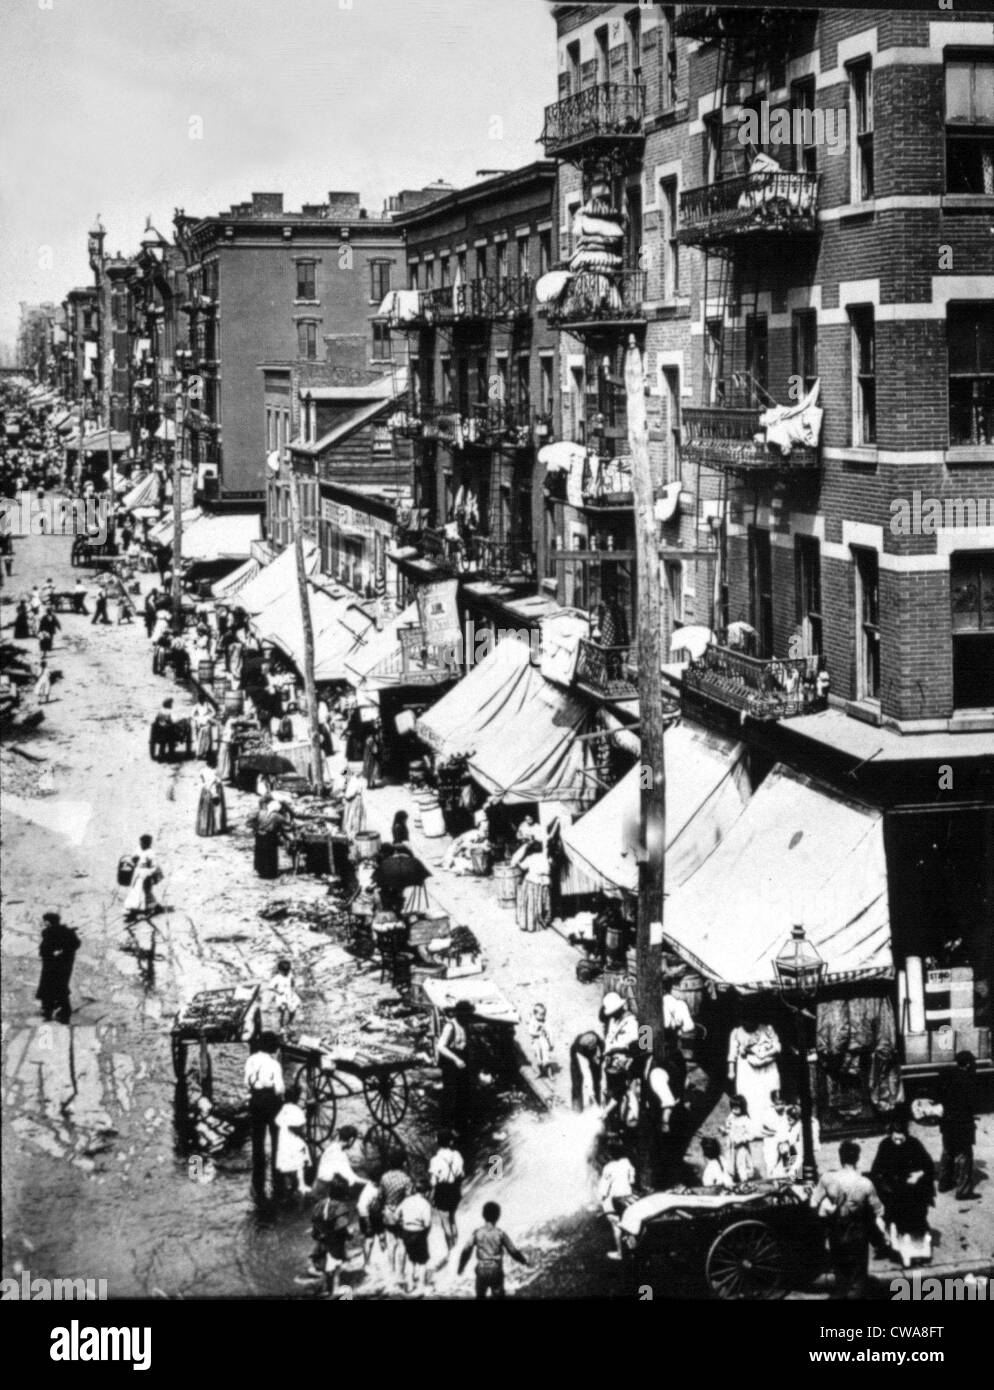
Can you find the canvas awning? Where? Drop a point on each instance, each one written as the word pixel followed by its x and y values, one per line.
pixel 144 493
pixel 162 532
pixel 376 649
pixel 225 536
pixel 799 853
pixel 225 589
pixel 536 756
pixel 276 579
pixel 707 789
pixel 334 620
pixel 490 694
pixel 97 442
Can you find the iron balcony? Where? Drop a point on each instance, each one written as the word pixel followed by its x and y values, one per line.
pixel 607 113
pixel 725 438
pixel 768 202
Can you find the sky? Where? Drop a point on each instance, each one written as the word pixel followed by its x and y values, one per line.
pixel 99 99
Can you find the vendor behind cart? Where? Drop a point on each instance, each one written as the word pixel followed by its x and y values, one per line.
pixel 452 1053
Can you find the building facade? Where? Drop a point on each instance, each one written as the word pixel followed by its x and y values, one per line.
pixel 266 285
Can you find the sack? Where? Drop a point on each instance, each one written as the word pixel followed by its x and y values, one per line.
pixel 125 869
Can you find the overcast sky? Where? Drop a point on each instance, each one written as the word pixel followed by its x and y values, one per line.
pixel 297 96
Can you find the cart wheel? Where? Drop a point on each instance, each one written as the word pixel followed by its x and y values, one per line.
pixel 378 1143
pixel 386 1095
pixel 745 1261
pixel 319 1104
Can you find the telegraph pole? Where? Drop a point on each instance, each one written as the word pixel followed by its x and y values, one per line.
pixel 178 422
pixel 107 352
pixel 652 856
pixel 310 684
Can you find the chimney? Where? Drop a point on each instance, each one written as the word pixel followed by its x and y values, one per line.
pixel 267 204
pixel 343 207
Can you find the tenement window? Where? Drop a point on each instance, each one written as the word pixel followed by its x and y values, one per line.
pixel 382 342
pixel 864 374
pixel 807 589
pixel 970 342
pixel 970 124
pixel 307 339
pixel 379 280
pixel 867 597
pixel 306 281
pixel 971 589
pixel 861 125
pixel 804 347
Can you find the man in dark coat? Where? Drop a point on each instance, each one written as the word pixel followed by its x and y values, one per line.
pixel 58 948
pixel 958 1128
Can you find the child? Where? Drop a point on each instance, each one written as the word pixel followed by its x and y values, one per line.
pixel 43 685
pixel 741 1132
pixel 617 1184
pixel 286 1000
pixel 539 1033
pixel 292 1153
pixel 330 1229
pixel 775 1130
pixel 796 1136
pixel 715 1173
pixel 414 1222
pixel 488 1244
pixel 784 1165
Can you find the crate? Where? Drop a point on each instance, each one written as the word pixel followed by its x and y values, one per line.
pixel 916 1047
pixel 463 966
pixel 943 1045
pixel 975 1040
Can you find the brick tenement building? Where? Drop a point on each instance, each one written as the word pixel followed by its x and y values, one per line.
pixel 269 285
pixel 867 271
pixel 620 133
pixel 484 383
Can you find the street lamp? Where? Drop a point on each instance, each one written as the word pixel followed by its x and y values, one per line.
pixel 799 971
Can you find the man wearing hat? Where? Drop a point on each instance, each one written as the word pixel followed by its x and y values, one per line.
pixel 621 1040
pixel 58 948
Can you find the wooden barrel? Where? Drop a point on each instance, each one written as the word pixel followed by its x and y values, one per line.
pixel 432 819
pixel 205 671
pixel 692 989
pixel 480 858
pixel 221 687
pixel 234 701
pixel 422 799
pixel 367 844
pixel 507 877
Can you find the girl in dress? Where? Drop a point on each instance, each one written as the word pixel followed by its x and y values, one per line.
pixel 538 1031
pixel 142 899
pixel 753 1049
pixel 212 811
pixel 355 806
pixel 292 1154
pixel 203 728
pixel 776 1127
pixel 740 1131
pixel 715 1172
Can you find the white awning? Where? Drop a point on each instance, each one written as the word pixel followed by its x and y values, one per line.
pixel 224 536
pixel 799 853
pixel 162 532
pixel 707 788
pixel 335 622
pixel 377 647
pixel 225 589
pixel 492 693
pixel 536 756
pixel 276 579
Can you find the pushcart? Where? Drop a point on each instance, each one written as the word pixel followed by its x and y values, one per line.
pixel 326 1075
pixel 229 1015
pixel 756 1243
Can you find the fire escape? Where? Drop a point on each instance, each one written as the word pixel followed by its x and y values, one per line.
pixel 481 424
pixel 755 222
pixel 597 295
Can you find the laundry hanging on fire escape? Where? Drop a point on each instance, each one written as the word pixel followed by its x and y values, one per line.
pixel 772 190
pixel 788 426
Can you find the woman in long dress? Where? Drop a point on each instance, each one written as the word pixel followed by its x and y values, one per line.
pixel 753 1049
pixel 142 898
pixel 268 827
pixel 22 628
pixel 355 806
pixel 904 1175
pixel 225 756
pixel 212 810
pixel 203 728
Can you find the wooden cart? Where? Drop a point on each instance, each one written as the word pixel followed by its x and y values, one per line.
pixel 229 1015
pixel 326 1076
pixel 753 1244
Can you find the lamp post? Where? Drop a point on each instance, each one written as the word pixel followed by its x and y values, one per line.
pixel 799 970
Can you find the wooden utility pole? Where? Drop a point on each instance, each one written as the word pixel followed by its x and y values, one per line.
pixel 107 350
pixel 177 585
pixel 310 684
pixel 652 837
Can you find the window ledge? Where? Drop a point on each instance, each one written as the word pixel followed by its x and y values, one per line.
pixel 310 303
pixel 857 453
pixel 866 710
pixel 971 721
pixel 972 202
pixel 970 453
pixel 851 210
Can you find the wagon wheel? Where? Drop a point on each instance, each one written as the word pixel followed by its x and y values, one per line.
pixel 318 1102
pixel 745 1261
pixel 386 1094
pixel 378 1143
